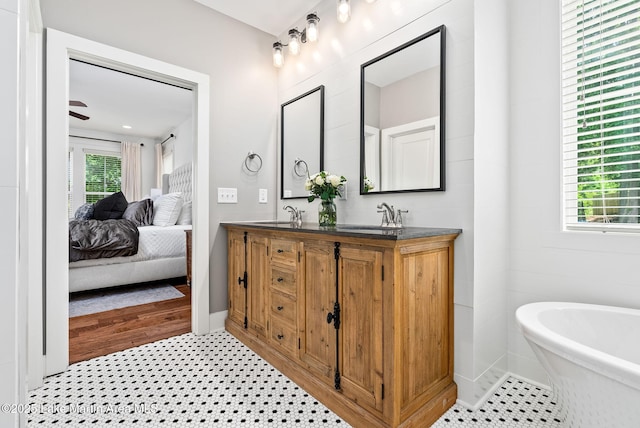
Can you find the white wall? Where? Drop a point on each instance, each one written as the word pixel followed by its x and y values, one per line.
pixel 182 143
pixel 491 199
pixel 243 92
pixel 9 47
pixel 13 24
pixel 411 99
pixel 335 62
pixel 548 264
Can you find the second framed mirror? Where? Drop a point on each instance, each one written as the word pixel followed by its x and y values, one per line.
pixel 403 117
pixel 302 142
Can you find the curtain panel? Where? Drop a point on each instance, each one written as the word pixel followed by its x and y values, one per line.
pixel 131 171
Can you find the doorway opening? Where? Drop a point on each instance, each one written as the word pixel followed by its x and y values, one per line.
pixel 61 48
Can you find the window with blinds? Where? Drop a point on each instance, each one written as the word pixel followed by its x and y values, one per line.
pixel 103 175
pixel 601 114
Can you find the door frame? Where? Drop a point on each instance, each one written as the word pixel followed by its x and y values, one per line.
pixel 60 48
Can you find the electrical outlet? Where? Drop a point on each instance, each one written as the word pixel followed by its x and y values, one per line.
pixel 343 191
pixel 227 195
pixel 262 196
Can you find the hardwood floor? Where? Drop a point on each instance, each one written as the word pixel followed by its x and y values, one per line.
pixel 103 333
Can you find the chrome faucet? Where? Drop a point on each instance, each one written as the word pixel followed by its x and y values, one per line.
pixel 390 217
pixel 296 215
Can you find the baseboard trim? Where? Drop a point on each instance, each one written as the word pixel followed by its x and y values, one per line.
pixel 216 321
pixel 482 400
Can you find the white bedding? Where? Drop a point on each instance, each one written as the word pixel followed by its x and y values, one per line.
pixel 156 242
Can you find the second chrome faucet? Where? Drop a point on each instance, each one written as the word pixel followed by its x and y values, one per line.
pixel 390 217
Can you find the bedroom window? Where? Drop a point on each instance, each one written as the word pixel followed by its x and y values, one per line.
pixel 103 175
pixel 601 114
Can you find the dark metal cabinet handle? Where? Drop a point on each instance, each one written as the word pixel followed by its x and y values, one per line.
pixel 280 279
pixel 280 308
pixel 280 336
pixel 280 250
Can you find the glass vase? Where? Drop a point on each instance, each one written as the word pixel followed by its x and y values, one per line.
pixel 327 214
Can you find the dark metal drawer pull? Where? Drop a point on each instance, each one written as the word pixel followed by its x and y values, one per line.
pixel 280 250
pixel 280 308
pixel 280 279
pixel 280 336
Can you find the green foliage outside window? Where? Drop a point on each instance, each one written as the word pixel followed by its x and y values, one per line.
pixel 103 176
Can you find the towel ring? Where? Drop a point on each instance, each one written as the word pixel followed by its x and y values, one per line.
pixel 250 157
pixel 296 166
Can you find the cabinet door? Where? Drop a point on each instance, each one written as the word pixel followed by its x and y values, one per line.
pixel 315 301
pixel 360 347
pixel 426 305
pixel 236 268
pixel 258 287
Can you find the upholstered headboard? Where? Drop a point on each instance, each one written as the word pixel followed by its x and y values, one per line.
pixel 180 181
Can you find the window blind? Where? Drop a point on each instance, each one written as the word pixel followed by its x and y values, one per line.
pixel 601 114
pixel 103 176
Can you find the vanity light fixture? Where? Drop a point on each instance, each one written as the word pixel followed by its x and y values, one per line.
pixel 296 39
pixel 370 1
pixel 344 11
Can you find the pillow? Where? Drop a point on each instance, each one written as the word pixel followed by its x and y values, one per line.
pixel 166 209
pixel 111 207
pixel 140 212
pixel 185 214
pixel 84 212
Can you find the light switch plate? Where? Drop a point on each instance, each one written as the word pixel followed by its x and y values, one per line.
pixel 227 195
pixel 262 196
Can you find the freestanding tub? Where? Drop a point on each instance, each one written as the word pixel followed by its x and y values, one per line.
pixel 592 356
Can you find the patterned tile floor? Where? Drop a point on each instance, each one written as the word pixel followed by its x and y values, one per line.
pixel 214 380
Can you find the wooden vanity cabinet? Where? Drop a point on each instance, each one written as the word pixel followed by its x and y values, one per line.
pixel 390 361
pixel 248 281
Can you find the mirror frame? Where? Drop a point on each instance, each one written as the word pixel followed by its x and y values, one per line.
pixel 282 137
pixel 438 30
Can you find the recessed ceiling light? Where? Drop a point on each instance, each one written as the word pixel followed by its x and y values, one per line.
pixel 126 126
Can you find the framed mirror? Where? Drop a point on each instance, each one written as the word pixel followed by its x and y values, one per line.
pixel 302 142
pixel 402 117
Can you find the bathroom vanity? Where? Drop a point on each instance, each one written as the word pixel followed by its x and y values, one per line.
pixel 360 317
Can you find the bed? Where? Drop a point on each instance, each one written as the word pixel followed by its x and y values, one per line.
pixel 161 250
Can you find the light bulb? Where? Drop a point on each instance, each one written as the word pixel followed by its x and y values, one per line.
pixel 294 42
pixel 278 58
pixel 344 11
pixel 312 27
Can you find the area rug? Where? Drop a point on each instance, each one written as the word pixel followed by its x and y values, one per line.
pixel 91 302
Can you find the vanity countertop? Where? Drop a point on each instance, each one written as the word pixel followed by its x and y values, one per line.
pixel 355 230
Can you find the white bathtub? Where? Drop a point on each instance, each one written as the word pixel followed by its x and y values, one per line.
pixel 592 356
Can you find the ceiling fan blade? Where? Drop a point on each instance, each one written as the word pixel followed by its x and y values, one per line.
pixel 78 115
pixel 77 103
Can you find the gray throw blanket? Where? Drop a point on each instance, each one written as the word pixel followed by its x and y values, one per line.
pixel 94 239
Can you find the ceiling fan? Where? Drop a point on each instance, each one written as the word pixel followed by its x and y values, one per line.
pixel 77 115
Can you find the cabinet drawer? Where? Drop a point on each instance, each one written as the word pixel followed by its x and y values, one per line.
pixel 284 336
pixel 284 251
pixel 283 306
pixel 283 280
